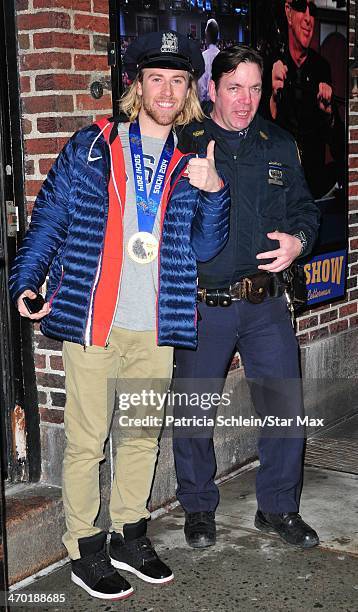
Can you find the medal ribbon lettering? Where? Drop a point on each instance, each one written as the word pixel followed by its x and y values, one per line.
pixel 147 206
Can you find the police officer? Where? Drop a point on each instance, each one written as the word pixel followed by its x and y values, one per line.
pixel 241 305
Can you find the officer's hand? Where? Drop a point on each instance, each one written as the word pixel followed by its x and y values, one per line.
pixel 202 172
pixel 324 98
pixel 23 310
pixel 290 248
pixel 279 74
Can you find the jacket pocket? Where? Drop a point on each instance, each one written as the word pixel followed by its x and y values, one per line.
pixel 55 292
pixel 271 217
pixel 273 202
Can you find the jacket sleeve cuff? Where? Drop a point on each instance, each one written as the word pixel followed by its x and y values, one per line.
pixel 306 240
pixel 15 293
pixel 301 236
pixel 214 197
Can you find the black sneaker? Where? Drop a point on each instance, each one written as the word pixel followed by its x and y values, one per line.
pixel 135 553
pixel 289 526
pixel 94 572
pixel 200 529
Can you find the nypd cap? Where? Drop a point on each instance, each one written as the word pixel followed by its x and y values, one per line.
pixel 163 50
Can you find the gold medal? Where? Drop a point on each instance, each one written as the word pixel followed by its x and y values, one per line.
pixel 143 247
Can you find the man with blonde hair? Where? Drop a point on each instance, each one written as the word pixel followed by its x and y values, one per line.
pixel 120 194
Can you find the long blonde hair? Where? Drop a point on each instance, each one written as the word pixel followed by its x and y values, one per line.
pixel 131 102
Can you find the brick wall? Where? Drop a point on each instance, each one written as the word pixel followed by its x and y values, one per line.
pixel 62 50
pixel 353 184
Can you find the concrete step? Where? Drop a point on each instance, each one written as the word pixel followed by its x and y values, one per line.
pixel 35 524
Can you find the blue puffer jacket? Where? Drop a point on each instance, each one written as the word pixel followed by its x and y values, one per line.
pixel 67 237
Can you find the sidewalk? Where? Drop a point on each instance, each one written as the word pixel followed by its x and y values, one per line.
pixel 246 570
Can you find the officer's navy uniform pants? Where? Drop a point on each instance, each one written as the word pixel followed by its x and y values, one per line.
pixel 264 336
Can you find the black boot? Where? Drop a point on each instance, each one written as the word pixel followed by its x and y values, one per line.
pixel 200 529
pixel 94 572
pixel 135 553
pixel 289 526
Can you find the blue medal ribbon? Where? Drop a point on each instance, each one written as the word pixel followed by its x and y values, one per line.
pixel 147 206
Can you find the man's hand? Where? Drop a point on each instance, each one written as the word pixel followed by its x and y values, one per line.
pixel 290 248
pixel 324 97
pixel 278 76
pixel 23 310
pixel 202 172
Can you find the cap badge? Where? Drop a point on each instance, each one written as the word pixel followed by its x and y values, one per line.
pixel 169 43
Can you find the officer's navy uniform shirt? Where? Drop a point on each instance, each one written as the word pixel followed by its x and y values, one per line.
pixel 226 268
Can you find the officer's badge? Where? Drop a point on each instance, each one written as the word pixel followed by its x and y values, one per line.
pixel 275 174
pixel 169 43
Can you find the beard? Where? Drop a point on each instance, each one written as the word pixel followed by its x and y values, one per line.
pixel 162 116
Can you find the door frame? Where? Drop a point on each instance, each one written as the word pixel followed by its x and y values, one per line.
pixel 18 370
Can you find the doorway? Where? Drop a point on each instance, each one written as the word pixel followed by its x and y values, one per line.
pixel 19 429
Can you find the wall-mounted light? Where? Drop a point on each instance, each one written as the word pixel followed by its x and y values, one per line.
pixel 96 90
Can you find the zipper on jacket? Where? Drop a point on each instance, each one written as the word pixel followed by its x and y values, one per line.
pixel 237 216
pixel 89 314
pixel 57 288
pixel 177 179
pixel 160 242
pixel 117 300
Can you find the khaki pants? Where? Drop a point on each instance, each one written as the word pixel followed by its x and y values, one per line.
pixel 92 377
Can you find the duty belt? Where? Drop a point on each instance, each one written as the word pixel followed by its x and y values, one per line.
pixel 254 289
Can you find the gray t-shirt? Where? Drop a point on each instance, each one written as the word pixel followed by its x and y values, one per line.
pixel 136 308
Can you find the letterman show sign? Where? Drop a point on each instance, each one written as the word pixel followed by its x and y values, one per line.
pixel 325 277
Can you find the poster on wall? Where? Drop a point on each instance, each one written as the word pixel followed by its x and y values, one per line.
pixel 305 50
pixel 304 45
